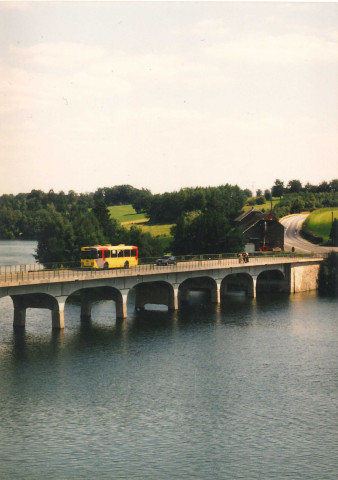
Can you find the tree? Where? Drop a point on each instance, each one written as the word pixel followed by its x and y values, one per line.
pixel 260 200
pixel 334 185
pixel 278 188
pixel 259 193
pixel 141 202
pixel 297 205
pixel 207 232
pixel 267 195
pixel 294 186
pixel 323 187
pixel 247 193
pixel 56 238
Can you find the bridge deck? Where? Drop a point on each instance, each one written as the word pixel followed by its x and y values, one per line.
pixel 9 279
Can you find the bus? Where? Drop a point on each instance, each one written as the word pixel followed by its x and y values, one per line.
pixel 109 256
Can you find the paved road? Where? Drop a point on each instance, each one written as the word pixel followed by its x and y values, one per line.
pixel 292 237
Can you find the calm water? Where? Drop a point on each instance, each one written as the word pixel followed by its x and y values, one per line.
pixel 17 252
pixel 247 390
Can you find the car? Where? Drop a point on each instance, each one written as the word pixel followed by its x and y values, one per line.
pixel 166 260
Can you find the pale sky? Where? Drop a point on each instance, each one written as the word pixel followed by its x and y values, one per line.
pixel 165 95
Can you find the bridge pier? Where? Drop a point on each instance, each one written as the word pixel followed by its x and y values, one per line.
pixel 121 305
pixel 58 314
pixel 173 300
pixel 86 308
pixel 19 312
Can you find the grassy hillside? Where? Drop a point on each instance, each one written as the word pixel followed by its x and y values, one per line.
pixel 126 214
pixel 128 217
pixel 319 222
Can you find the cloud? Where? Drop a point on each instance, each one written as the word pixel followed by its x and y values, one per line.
pixel 275 49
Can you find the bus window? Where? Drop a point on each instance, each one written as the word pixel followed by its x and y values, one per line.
pixel 106 254
pixel 127 253
pixel 120 253
pixel 88 254
pixel 113 254
pixel 133 253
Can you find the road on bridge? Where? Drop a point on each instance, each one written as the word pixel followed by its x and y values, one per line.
pixel 292 238
pixel 51 276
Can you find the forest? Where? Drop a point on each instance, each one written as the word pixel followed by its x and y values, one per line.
pixel 203 217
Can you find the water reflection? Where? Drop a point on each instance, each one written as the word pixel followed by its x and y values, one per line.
pixel 209 391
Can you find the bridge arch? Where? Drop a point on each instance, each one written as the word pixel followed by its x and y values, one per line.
pixel 272 280
pixel 203 284
pixel 154 293
pixel 89 295
pixel 38 300
pixel 237 283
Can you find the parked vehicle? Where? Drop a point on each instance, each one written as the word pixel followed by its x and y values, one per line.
pixel 166 260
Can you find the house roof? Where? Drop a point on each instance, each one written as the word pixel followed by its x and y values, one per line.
pixel 246 213
pixel 249 218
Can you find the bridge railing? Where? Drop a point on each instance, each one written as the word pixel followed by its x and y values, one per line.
pixel 56 272
pixel 34 267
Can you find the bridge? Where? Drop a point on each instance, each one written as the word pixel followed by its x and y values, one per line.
pixel 160 285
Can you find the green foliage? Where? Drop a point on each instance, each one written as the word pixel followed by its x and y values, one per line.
pixel 278 188
pixel 23 215
pixel 304 201
pixel 328 275
pixel 121 195
pixel 56 238
pixel 294 186
pixel 167 207
pixel 260 200
pixel 267 195
pixel 207 232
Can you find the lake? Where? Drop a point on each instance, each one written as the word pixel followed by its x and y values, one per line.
pixel 243 390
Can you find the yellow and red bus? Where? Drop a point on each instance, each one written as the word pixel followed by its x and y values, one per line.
pixel 109 256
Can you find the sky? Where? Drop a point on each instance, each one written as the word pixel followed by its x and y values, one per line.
pixel 167 95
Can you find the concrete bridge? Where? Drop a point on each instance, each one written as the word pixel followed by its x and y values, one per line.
pixel 166 285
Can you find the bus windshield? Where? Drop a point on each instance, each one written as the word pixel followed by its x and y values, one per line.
pixel 89 254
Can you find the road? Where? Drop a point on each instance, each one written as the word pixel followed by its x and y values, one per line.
pixel 292 238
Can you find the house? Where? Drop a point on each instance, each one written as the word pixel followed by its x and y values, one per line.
pixel 261 229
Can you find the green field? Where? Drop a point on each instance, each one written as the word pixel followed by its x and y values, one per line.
pixel 126 214
pixel 319 222
pixel 266 205
pixel 128 217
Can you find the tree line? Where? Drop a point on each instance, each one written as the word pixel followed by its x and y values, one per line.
pixel 63 223
pixel 62 234
pixel 202 217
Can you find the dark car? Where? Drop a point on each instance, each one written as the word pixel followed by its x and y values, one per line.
pixel 166 260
